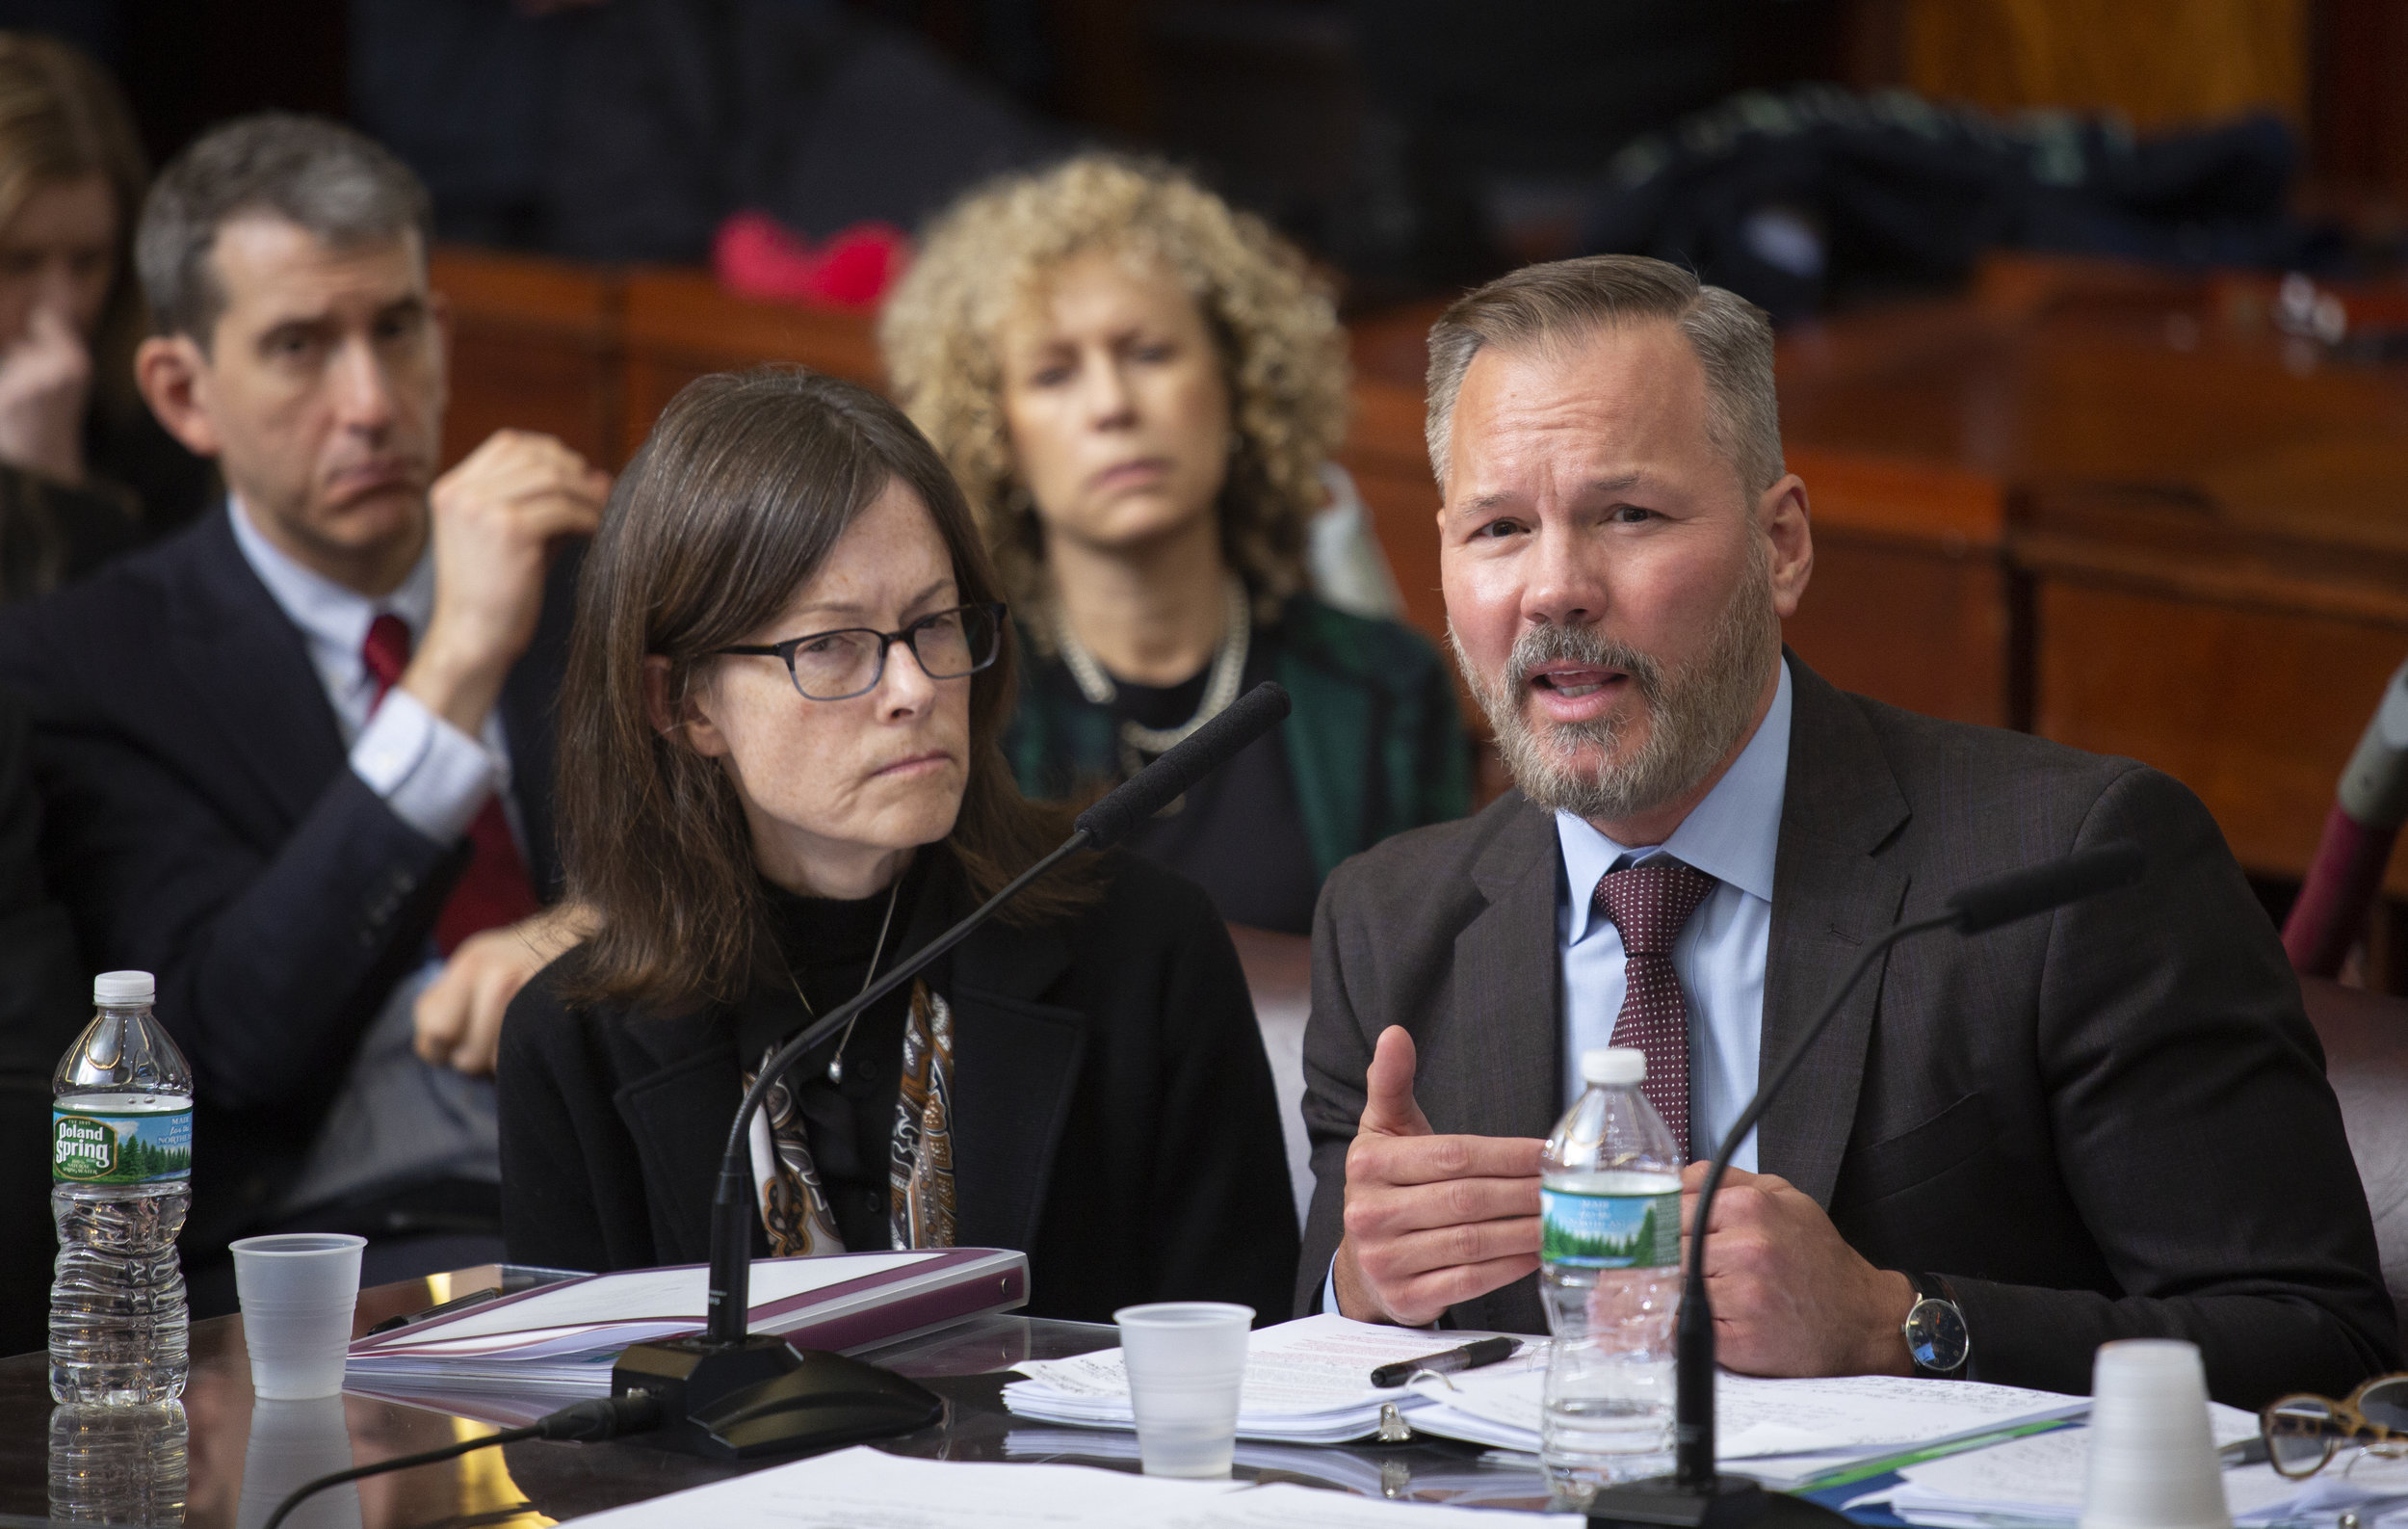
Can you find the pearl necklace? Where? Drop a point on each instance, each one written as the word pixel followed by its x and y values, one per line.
pixel 1221 687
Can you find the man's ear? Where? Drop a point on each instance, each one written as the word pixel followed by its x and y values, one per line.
pixel 173 378
pixel 679 717
pixel 1780 512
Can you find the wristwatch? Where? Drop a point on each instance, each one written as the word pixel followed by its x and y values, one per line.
pixel 1935 1333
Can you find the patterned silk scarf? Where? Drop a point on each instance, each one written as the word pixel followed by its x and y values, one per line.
pixel 920 1165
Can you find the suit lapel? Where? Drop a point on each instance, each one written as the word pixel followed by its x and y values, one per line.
pixel 1831 895
pixel 1498 1066
pixel 677 1115
pixel 1016 1069
pixel 238 651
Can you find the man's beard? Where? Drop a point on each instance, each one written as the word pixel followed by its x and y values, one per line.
pixel 1693 718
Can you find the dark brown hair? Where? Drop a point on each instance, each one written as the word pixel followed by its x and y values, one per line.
pixel 736 499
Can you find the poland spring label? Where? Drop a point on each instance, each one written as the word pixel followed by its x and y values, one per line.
pixel 1610 1232
pixel 111 1146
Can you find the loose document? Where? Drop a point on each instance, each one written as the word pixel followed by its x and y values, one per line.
pixel 1309 1382
pixel 2038 1482
pixel 860 1487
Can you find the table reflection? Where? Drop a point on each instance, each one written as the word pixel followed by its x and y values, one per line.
pixel 224 1458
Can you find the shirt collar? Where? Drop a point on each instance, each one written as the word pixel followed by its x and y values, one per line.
pixel 1733 835
pixel 333 619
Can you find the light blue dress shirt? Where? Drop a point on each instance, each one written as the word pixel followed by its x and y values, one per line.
pixel 1732 835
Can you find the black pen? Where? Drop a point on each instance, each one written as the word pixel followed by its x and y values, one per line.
pixel 474 1298
pixel 1470 1357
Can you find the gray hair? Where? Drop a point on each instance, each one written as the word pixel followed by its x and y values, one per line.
pixel 1564 299
pixel 332 181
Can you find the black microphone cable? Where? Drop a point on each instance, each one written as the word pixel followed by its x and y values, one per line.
pixel 602 1417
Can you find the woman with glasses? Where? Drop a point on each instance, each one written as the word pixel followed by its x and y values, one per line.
pixel 1140 389
pixel 780 775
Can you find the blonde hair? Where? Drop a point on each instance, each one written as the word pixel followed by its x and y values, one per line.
pixel 62 120
pixel 1281 349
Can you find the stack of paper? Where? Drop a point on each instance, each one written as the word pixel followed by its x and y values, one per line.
pixel 860 1486
pixel 2039 1482
pixel 1306 1381
pixel 558 1342
pixel 1783 1432
pixel 1309 1382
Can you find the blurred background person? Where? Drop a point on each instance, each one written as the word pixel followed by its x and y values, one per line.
pixel 1140 389
pixel 779 727
pixel 296 760
pixel 83 469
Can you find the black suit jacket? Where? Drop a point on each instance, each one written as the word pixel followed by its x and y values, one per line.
pixel 1112 1114
pixel 2108 1123
pixel 204 825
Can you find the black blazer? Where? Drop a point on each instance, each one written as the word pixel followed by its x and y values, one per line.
pixel 1112 1114
pixel 203 824
pixel 2109 1122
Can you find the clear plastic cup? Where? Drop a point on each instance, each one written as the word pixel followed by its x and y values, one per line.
pixel 298 1291
pixel 2153 1462
pixel 1187 1366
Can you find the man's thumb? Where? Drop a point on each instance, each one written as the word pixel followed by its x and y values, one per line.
pixel 1388 1107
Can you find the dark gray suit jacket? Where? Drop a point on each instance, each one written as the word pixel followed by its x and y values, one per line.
pixel 2108 1123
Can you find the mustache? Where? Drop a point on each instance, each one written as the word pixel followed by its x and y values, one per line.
pixel 1578 645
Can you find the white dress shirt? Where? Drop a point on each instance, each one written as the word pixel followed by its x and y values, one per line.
pixel 396 1119
pixel 1732 835
pixel 434 776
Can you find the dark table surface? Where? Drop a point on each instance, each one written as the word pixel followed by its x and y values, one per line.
pixel 224 1435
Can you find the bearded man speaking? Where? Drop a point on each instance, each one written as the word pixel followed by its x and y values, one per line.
pixel 2109 1122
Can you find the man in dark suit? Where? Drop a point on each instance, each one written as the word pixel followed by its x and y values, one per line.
pixel 2109 1122
pixel 298 758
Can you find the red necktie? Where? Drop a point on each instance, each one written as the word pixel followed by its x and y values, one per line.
pixel 1649 903
pixel 494 890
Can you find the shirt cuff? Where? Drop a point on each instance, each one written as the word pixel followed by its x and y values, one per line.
pixel 1329 1289
pixel 434 776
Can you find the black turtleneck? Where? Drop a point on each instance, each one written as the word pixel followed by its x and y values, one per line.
pixel 827 945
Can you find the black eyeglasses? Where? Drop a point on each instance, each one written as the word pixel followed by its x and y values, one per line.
pixel 850 661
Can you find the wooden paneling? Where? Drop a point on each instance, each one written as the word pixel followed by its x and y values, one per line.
pixel 1909 602
pixel 2160 63
pixel 535 346
pixel 680 325
pixel 2254 709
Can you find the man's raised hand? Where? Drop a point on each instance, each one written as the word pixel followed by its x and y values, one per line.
pixel 1430 1219
pixel 499 516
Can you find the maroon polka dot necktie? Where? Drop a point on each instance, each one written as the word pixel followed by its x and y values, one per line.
pixel 1649 903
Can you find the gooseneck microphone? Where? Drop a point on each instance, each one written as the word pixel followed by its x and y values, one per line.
pixel 710 1373
pixel 1696 1493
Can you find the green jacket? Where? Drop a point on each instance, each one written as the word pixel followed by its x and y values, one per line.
pixel 1375 745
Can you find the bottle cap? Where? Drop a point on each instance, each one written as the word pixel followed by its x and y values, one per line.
pixel 119 990
pixel 1613 1065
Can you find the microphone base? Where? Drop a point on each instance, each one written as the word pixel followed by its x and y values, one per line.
pixel 762 1397
pixel 1732 1502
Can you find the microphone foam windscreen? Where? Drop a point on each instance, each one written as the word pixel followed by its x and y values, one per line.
pixel 1201 752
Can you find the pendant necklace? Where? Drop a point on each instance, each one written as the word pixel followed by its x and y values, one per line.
pixel 1137 744
pixel 836 1062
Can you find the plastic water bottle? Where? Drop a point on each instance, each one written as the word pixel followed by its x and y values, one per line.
pixel 1610 1273
pixel 121 1170
pixel 119 1465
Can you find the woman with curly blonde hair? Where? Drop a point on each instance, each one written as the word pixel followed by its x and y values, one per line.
pixel 1139 390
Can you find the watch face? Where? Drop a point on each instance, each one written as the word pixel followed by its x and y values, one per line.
pixel 1935 1334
